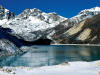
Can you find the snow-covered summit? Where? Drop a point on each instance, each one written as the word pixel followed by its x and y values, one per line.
pixel 47 17
pixel 92 11
pixel 84 14
pixel 30 21
pixel 36 19
pixel 5 15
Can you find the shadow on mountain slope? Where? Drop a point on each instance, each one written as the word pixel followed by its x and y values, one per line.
pixel 5 34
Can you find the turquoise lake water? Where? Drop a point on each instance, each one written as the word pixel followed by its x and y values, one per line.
pixel 52 55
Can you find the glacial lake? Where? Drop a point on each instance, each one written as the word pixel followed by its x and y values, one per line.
pixel 52 55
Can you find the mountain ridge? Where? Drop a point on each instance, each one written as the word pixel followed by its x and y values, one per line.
pixel 20 32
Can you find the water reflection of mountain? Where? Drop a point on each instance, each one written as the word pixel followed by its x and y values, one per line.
pixel 76 53
pixel 52 55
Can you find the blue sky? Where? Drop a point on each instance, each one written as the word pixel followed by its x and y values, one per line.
pixel 66 8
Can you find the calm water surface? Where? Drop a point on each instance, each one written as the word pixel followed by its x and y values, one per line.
pixel 52 55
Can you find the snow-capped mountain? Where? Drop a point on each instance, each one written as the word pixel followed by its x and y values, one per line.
pixel 5 15
pixel 85 32
pixel 25 28
pixel 69 23
pixel 31 24
pixel 84 14
pixel 36 13
pixel 34 24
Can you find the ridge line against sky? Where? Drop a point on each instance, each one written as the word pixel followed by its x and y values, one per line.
pixel 66 8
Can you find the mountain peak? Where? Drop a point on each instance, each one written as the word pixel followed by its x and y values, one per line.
pixel 84 14
pixel 35 9
pixel 96 8
pixel 5 15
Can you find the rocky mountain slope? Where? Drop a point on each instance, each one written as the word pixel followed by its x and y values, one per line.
pixel 86 32
pixel 18 32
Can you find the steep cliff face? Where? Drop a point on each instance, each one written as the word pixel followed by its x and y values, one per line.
pixel 86 32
